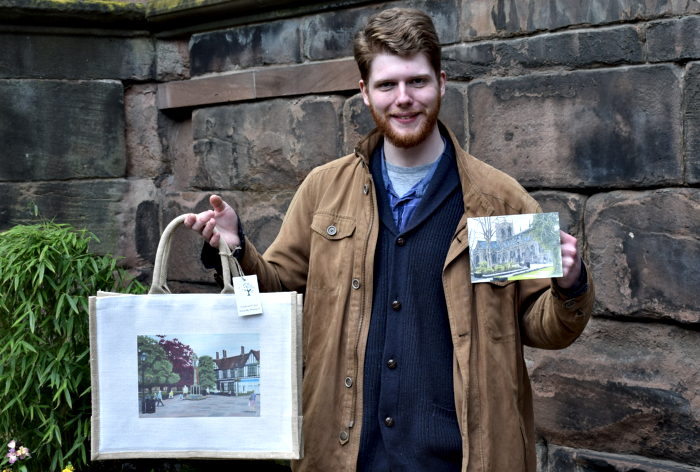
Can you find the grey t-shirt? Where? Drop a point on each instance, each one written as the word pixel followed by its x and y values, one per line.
pixel 404 178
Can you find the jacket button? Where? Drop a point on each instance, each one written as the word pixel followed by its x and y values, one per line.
pixel 348 382
pixel 391 363
pixel 396 305
pixel 401 242
pixel 365 189
pixel 355 284
pixel 570 304
pixel 389 421
pixel 331 230
pixel 343 436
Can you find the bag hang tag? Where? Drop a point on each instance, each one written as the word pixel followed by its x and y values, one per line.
pixel 247 295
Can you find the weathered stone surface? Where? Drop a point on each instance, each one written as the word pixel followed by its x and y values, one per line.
pixel 277 42
pixel 570 207
pixel 565 459
pixel 261 214
pixel 60 130
pixel 645 251
pixel 172 59
pixel 76 57
pixel 488 18
pixel 358 119
pixel 600 128
pixel 119 212
pixel 330 35
pixel 569 50
pixel 74 13
pixel 691 97
pixel 629 388
pixel 672 40
pixel 144 152
pixel 265 145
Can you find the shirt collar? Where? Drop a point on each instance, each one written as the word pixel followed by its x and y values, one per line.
pixel 418 190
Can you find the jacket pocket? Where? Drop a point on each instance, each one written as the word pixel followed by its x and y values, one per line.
pixel 499 310
pixel 331 244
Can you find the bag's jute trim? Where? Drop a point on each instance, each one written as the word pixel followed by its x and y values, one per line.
pixel 205 455
pixel 94 379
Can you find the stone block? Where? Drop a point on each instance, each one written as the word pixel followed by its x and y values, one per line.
pixel 122 214
pixel 644 250
pixel 172 59
pixel 330 35
pixel 265 145
pixel 61 130
pixel 691 120
pixel 55 56
pixel 674 40
pixel 565 459
pixel 601 128
pixel 359 121
pixel 277 42
pixel 570 207
pixel 489 18
pixel 605 46
pixel 144 152
pixel 261 214
pixel 624 388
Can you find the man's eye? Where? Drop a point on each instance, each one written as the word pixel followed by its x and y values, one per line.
pixel 385 85
pixel 419 81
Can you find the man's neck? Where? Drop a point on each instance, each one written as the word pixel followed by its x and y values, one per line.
pixel 422 154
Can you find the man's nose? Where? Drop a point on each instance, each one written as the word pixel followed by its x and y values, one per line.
pixel 403 97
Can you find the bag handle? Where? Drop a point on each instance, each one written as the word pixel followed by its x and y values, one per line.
pixel 230 265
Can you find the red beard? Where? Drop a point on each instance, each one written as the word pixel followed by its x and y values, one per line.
pixel 407 140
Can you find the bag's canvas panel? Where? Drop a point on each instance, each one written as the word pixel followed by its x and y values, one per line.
pixel 252 412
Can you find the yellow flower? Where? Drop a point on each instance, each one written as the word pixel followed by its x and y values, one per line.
pixel 69 468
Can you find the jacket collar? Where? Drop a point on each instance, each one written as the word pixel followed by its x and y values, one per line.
pixel 475 203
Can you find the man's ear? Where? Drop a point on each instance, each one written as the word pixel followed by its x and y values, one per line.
pixel 443 82
pixel 365 92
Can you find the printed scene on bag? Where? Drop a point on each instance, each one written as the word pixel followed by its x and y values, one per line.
pixel 514 247
pixel 199 375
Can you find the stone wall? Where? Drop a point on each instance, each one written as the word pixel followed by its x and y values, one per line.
pixel 593 106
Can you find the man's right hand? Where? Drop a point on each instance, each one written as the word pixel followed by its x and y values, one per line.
pixel 223 217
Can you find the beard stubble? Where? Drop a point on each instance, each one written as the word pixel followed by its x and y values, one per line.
pixel 406 141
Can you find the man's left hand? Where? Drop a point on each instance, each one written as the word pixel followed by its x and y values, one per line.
pixel 570 261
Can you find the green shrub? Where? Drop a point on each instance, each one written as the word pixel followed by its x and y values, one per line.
pixel 498 268
pixel 46 275
pixel 488 270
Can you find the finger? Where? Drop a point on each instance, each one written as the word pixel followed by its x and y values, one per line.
pixel 214 241
pixel 190 220
pixel 202 220
pixel 208 230
pixel 217 203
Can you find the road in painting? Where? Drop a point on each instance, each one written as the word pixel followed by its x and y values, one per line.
pixel 198 375
pixel 514 247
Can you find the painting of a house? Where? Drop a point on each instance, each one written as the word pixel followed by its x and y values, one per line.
pixel 240 374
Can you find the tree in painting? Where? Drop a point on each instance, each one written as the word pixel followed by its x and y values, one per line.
pixel 487 229
pixel 207 377
pixel 545 230
pixel 179 356
pixel 157 369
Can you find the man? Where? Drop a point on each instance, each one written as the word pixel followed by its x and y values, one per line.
pixel 407 365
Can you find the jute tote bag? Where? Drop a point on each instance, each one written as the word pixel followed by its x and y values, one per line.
pixel 253 411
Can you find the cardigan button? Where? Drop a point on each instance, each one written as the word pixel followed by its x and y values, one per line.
pixel 396 305
pixel 389 421
pixel 401 242
pixel 391 363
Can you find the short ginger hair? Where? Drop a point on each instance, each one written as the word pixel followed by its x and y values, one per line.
pixel 399 31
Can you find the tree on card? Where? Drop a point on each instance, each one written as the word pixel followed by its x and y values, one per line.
pixel 486 230
pixel 156 370
pixel 545 230
pixel 179 356
pixel 207 377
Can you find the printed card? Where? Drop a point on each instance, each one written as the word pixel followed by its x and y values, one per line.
pixel 514 247
pixel 247 295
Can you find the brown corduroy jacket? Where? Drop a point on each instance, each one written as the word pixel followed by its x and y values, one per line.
pixel 326 248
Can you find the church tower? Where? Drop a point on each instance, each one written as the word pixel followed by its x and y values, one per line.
pixel 504 230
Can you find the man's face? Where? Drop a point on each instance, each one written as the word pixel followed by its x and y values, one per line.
pixel 403 95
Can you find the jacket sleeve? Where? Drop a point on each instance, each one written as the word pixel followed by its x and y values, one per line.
pixel 285 264
pixel 548 318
